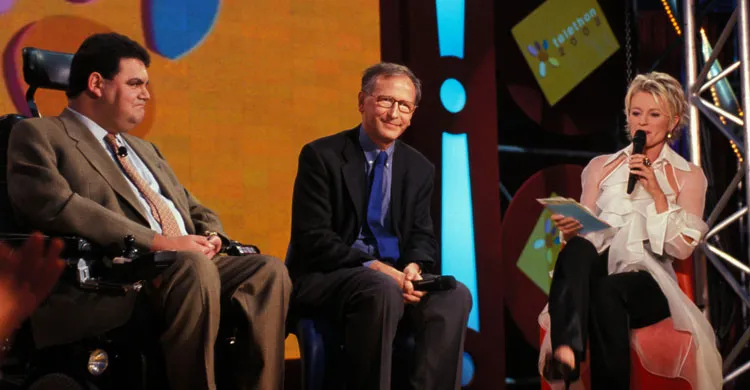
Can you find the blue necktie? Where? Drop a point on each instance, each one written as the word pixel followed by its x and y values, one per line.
pixel 387 242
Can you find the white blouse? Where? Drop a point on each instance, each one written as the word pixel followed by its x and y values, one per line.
pixel 641 239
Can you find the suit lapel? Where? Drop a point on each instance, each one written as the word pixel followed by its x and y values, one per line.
pixel 153 163
pixel 398 172
pixel 100 160
pixel 353 171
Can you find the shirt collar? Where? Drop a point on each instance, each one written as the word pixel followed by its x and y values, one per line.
pixel 98 131
pixel 666 155
pixel 370 149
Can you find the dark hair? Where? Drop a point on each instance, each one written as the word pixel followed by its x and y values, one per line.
pixel 102 53
pixel 389 69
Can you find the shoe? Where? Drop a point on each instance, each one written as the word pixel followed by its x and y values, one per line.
pixel 555 370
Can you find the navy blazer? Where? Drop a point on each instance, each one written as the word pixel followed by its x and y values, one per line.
pixel 330 205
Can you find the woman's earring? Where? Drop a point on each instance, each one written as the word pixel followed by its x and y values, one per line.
pixel 669 136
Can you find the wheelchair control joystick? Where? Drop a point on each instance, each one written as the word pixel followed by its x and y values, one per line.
pixel 123 272
pixel 130 250
pixel 129 253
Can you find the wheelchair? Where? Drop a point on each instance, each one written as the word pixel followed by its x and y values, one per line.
pixel 127 357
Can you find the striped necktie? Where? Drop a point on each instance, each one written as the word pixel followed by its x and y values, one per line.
pixel 159 208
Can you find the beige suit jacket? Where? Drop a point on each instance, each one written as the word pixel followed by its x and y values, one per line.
pixel 62 181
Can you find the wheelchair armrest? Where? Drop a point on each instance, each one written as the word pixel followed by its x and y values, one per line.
pixel 124 274
pixel 74 246
pixel 77 253
pixel 143 267
pixel 90 269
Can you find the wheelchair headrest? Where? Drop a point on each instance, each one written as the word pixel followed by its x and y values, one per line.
pixel 7 122
pixel 46 69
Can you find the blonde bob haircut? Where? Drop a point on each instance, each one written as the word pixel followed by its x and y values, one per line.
pixel 665 89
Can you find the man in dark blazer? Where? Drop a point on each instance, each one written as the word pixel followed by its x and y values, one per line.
pixel 362 232
pixel 80 173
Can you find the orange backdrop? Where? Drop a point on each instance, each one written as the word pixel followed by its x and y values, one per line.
pixel 232 113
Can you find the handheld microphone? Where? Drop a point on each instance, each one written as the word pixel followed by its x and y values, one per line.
pixel 639 142
pixel 122 151
pixel 438 283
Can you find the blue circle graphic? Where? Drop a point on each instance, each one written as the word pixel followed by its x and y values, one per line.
pixel 467 370
pixel 453 95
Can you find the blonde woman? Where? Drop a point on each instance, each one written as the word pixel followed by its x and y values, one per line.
pixel 609 282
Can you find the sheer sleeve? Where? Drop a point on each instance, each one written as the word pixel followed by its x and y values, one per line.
pixel 677 231
pixel 590 179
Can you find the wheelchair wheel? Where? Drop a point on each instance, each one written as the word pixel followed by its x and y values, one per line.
pixel 58 381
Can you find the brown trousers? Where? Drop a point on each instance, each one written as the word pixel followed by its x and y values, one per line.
pixel 190 298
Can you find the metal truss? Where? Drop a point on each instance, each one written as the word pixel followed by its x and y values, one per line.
pixel 696 84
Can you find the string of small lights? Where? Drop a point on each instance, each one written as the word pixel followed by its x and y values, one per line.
pixel 672 19
pixel 735 149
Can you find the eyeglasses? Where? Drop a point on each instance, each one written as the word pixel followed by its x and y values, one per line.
pixel 404 106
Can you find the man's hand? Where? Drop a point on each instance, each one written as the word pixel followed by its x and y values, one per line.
pixel 410 296
pixel 379 266
pixel 412 272
pixel 186 243
pixel 26 278
pixel 216 242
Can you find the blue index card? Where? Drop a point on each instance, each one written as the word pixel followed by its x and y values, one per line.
pixel 570 208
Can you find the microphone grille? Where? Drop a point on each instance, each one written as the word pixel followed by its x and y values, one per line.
pixel 448 282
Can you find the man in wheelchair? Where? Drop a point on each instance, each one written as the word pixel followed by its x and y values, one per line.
pixel 81 174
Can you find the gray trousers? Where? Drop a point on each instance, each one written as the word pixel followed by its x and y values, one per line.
pixel 367 309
